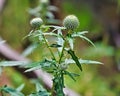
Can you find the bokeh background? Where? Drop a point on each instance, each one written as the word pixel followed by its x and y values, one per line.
pixel 101 18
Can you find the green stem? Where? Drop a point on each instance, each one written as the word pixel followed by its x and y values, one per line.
pixel 49 47
pixel 61 55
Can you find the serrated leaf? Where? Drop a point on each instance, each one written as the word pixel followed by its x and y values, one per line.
pixel 12 63
pixel 29 49
pixel 20 87
pixel 75 58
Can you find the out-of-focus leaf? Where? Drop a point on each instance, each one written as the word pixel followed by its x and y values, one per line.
pixel 11 91
pixel 20 87
pixel 12 63
pixel 29 49
pixel 75 58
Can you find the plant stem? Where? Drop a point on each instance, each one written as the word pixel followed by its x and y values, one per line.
pixel 49 47
pixel 61 55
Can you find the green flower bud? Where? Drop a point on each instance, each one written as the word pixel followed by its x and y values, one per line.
pixel 71 22
pixel 36 22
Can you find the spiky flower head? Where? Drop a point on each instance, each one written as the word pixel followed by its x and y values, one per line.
pixel 36 22
pixel 71 22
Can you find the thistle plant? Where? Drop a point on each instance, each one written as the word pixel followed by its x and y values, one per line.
pixel 59 61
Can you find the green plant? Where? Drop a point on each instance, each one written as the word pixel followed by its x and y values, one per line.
pixel 65 54
pixel 62 53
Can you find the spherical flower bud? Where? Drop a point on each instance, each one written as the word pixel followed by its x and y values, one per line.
pixel 71 22
pixel 36 22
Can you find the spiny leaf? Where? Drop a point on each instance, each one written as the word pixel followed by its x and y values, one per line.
pixel 75 58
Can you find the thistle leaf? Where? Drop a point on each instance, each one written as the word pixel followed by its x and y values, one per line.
pixel 75 58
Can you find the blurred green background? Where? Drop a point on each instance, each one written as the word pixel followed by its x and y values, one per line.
pixel 95 80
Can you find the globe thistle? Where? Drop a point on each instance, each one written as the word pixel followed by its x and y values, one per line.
pixel 36 22
pixel 71 22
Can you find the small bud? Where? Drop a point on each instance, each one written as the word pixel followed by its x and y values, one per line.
pixel 36 22
pixel 71 22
